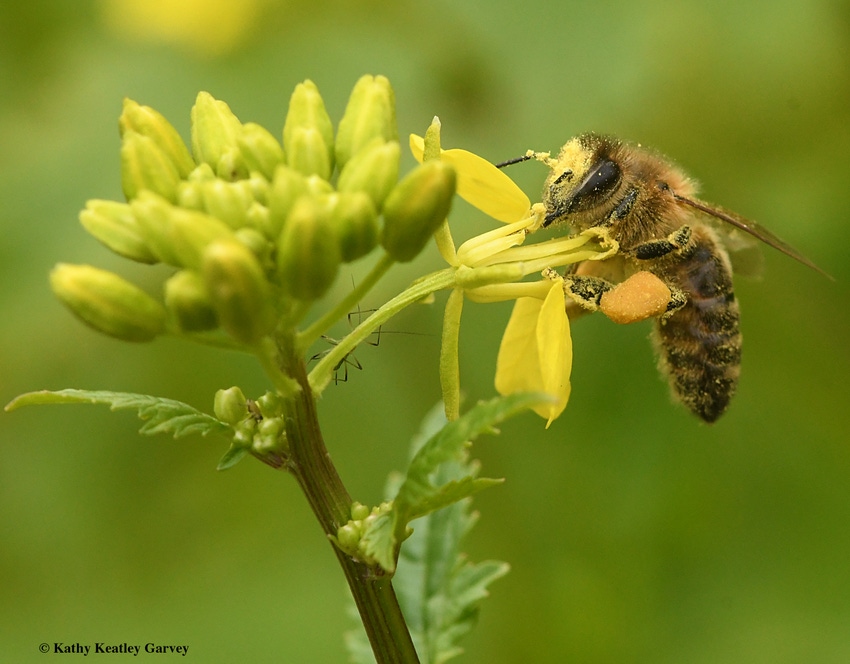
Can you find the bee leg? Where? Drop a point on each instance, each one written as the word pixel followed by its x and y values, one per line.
pixel 585 290
pixel 676 241
pixel 678 299
pixel 624 206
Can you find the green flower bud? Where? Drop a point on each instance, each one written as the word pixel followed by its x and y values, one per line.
pixel 192 232
pixel 153 215
pixel 256 187
pixel 258 217
pixel 144 166
pixel 187 300
pixel 190 195
pixel 287 186
pixel 244 436
pixel 259 245
pixel 370 113
pixel 226 201
pixel 308 135
pixel 356 224
pixel 374 170
pixel 359 511
pixel 239 291
pixel 231 166
pixel 108 303
pixel 318 187
pixel 177 236
pixel 115 225
pixel 416 208
pixel 146 121
pixel 268 435
pixel 308 252
pixel 230 405
pixel 348 538
pixel 306 153
pixel 215 129
pixel 202 173
pixel 260 150
pixel 270 404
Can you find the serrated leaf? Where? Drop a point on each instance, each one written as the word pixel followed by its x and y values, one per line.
pixel 418 494
pixel 160 415
pixel 450 443
pixel 450 492
pixel 438 589
pixel 378 542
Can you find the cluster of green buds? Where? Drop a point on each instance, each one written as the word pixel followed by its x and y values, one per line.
pixel 256 228
pixel 258 426
pixel 349 537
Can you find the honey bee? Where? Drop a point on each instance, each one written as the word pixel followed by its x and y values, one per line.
pixel 647 205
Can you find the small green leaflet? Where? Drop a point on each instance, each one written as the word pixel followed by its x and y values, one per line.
pixel 423 490
pixel 159 415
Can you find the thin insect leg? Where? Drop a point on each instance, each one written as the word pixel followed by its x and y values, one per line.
pixel 344 364
pixel 318 356
pixel 348 361
pixel 360 313
pixel 377 334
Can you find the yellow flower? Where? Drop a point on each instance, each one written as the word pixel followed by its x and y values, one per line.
pixel 536 354
pixel 536 349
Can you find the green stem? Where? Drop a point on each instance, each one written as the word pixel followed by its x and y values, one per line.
pixel 449 368
pixel 321 374
pixel 311 465
pixel 318 328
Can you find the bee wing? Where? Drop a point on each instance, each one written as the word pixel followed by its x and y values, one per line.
pixel 751 227
pixel 744 252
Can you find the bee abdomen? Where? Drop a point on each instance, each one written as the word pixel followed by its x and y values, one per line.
pixel 700 345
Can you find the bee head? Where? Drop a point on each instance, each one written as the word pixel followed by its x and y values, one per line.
pixel 582 178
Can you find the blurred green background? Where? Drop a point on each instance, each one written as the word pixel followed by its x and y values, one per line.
pixel 635 533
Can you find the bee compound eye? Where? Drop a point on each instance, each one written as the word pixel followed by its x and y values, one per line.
pixel 603 178
pixel 600 183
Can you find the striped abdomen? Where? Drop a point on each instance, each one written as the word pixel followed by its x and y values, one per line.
pixel 700 345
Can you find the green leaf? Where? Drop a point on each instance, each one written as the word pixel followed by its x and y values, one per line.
pixel 439 590
pixel 423 489
pixel 234 455
pixel 418 495
pixel 160 415
pixel 379 542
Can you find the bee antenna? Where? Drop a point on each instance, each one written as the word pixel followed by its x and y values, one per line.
pixel 517 160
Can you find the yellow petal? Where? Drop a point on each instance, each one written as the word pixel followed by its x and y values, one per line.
pixel 536 352
pixel 555 351
pixel 481 184
pixel 517 366
pixel 417 147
